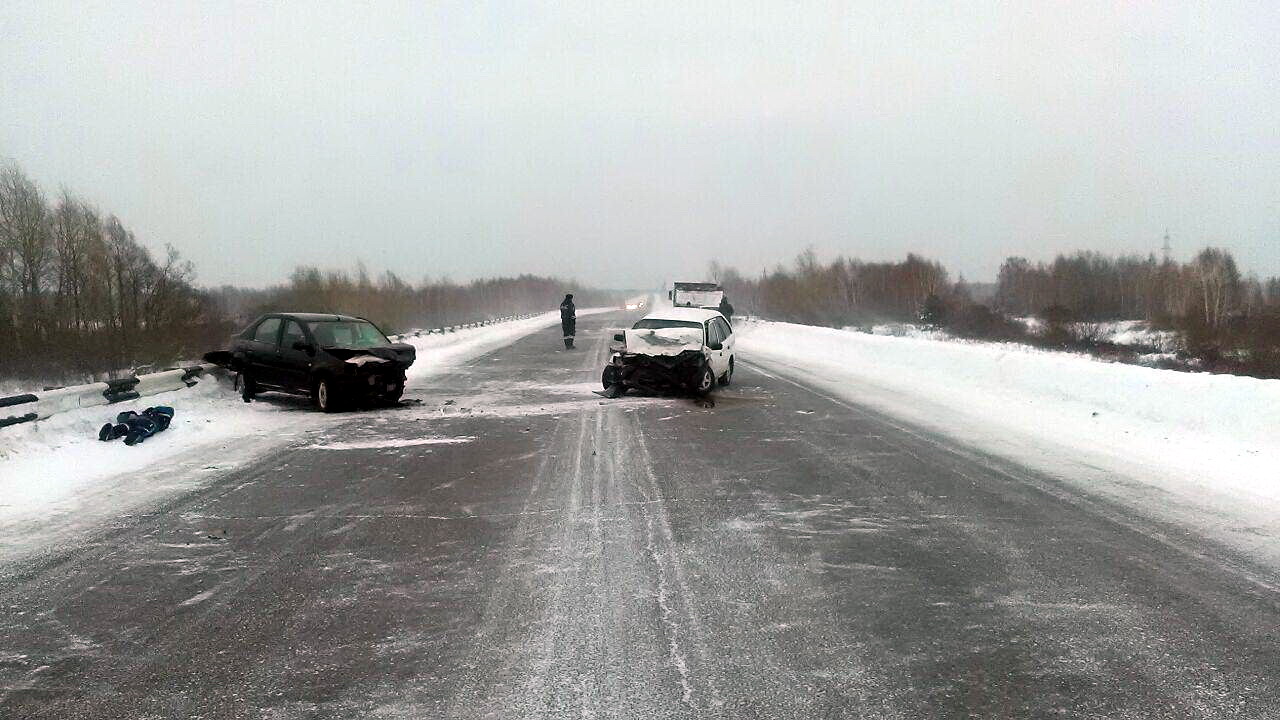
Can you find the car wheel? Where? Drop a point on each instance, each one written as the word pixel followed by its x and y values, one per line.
pixel 609 377
pixel 706 381
pixel 325 396
pixel 248 386
pixel 728 374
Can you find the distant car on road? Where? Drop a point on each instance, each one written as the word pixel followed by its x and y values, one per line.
pixel 689 349
pixel 334 359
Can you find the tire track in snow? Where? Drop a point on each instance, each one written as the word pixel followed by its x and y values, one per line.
pixel 670 577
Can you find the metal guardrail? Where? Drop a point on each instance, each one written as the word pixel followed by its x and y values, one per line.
pixel 47 403
pixel 17 400
pixel 454 328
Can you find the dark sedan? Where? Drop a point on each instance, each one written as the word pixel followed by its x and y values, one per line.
pixel 334 359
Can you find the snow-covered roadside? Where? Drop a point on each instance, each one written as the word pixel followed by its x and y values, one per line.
pixel 1205 447
pixel 57 479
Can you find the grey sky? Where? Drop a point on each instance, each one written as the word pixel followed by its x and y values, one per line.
pixel 621 144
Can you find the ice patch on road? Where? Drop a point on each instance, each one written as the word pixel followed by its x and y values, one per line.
pixel 392 443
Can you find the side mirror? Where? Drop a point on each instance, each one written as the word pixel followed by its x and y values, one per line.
pixel 304 347
pixel 620 337
pixel 715 346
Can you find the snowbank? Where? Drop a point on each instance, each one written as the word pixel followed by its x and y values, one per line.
pixel 55 473
pixel 1067 414
pixel 56 478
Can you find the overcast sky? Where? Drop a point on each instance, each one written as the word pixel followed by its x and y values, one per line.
pixel 630 144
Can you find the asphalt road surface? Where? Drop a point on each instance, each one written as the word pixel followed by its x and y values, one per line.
pixel 515 547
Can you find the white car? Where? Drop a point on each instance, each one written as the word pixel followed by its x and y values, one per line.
pixel 673 349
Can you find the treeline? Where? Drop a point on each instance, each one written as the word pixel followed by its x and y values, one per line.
pixel 81 297
pixel 79 294
pixel 1229 322
pixel 846 291
pixel 396 305
pixel 1208 290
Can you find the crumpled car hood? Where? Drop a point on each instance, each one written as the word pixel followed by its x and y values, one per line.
pixel 398 354
pixel 663 341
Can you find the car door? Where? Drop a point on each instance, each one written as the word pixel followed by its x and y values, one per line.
pixel 262 351
pixel 730 339
pixel 294 361
pixel 715 348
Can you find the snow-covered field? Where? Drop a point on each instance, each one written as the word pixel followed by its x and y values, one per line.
pixel 1191 443
pixel 56 478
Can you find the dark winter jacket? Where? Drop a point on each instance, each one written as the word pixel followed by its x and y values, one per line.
pixel 726 309
pixel 567 310
pixel 136 427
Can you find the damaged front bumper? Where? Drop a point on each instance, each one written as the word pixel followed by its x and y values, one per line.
pixel 374 371
pixel 655 373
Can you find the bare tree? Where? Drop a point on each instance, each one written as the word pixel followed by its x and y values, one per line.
pixel 76 230
pixel 27 238
pixel 1217 283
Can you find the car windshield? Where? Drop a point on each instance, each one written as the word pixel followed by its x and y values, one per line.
pixel 348 334
pixel 658 323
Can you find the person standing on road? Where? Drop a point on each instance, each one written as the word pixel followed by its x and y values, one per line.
pixel 568 320
pixel 725 308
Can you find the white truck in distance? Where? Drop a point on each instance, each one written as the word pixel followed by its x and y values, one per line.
pixel 696 295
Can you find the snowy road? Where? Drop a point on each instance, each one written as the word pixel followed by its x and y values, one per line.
pixel 515 547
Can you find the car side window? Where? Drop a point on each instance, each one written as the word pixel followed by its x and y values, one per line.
pixel 713 333
pixel 292 334
pixel 267 330
pixel 726 328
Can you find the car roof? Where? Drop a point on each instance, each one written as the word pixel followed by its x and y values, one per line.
pixel 687 314
pixel 314 317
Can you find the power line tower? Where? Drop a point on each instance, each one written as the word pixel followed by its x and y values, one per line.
pixel 1166 250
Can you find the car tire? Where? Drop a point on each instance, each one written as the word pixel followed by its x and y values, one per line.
pixel 706 381
pixel 728 375
pixel 609 377
pixel 325 396
pixel 248 386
